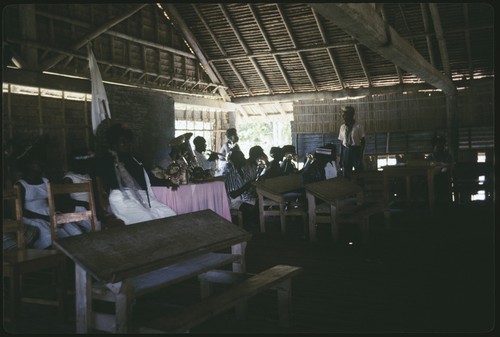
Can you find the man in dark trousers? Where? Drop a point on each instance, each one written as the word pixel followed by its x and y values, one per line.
pixel 352 138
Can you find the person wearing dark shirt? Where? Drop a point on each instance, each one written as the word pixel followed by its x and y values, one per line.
pixel 131 198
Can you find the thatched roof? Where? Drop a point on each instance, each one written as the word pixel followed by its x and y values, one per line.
pixel 260 55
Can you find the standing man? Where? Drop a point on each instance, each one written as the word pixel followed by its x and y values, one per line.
pixel 352 138
pixel 226 148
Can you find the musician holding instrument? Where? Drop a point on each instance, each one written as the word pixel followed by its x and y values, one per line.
pixel 200 152
pixel 226 148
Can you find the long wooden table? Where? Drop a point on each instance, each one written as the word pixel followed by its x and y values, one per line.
pixel 117 257
pixel 408 171
pixel 331 191
pixel 273 191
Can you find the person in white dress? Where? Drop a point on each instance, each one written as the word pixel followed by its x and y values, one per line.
pixel 131 197
pixel 34 195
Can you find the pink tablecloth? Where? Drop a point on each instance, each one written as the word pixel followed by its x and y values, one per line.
pixel 196 197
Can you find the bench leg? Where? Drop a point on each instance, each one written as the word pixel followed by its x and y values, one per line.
pixel 284 302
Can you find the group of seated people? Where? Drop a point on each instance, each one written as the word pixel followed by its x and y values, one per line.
pixel 127 182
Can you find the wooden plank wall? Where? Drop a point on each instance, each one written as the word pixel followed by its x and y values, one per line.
pixel 399 123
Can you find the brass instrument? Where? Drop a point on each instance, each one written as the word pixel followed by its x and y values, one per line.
pixel 217 153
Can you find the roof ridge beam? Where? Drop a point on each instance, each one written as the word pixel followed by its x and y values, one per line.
pixel 363 23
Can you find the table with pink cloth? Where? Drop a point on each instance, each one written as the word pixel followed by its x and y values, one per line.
pixel 196 197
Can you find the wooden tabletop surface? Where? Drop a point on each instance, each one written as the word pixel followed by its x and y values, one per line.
pixel 331 189
pixel 115 254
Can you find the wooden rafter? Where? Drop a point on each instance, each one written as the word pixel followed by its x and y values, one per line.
pixel 269 45
pixel 92 35
pixel 363 65
pixel 361 21
pixel 328 50
pixel 440 38
pixel 292 39
pixel 195 46
pixel 425 19
pixel 467 41
pixel 245 47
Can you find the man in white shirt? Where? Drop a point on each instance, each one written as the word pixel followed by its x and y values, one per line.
pixel 352 138
pixel 200 146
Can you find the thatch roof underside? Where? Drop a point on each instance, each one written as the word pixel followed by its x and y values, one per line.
pixel 262 56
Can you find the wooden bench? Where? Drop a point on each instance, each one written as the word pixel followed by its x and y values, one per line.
pixel 278 277
pixel 152 281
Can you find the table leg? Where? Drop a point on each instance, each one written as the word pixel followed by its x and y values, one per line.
pixel 408 190
pixel 430 189
pixel 83 299
pixel 311 206
pixel 239 249
pixel 261 213
pixel 123 307
pixel 387 190
pixel 333 217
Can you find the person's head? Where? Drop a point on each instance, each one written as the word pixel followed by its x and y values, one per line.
pixel 289 152
pixel 237 158
pixel 82 161
pixel 120 138
pixel 32 170
pixel 256 152
pixel 348 114
pixel 276 153
pixel 232 135
pixel 200 144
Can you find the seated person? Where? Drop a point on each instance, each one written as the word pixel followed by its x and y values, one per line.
pixel 131 198
pixel 288 165
pixel 34 196
pixel 318 167
pixel 240 186
pixel 200 148
pixel 274 167
pixel 257 161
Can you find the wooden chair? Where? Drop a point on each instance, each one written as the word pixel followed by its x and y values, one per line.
pixel 58 219
pixel 107 218
pixel 20 261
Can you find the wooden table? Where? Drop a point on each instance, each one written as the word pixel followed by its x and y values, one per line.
pixel 407 171
pixel 275 190
pixel 117 256
pixel 196 197
pixel 331 191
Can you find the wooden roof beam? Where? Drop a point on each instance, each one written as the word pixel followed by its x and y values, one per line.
pixel 92 35
pixel 292 39
pixel 210 31
pixel 440 38
pixel 269 45
pixel 195 46
pixel 363 65
pixel 363 23
pixel 329 51
pixel 245 48
pixel 425 19
pixel 467 40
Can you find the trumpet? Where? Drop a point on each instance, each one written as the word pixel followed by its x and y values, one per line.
pixel 217 153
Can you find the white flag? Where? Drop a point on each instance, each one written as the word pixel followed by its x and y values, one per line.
pixel 100 107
